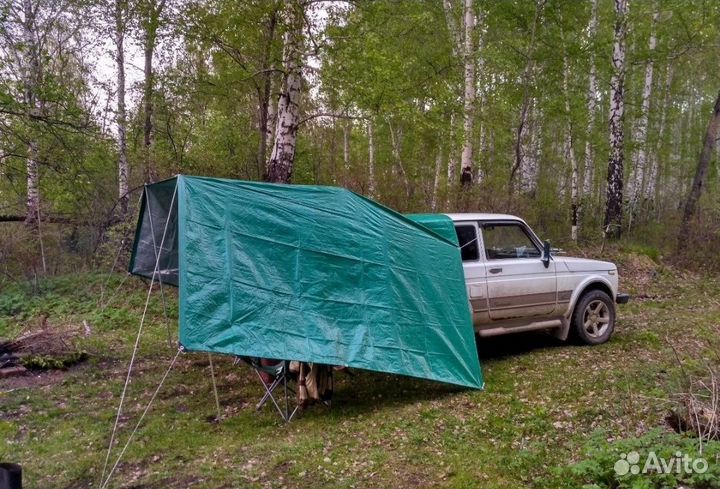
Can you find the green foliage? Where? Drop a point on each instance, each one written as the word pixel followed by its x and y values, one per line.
pixel 47 362
pixel 596 469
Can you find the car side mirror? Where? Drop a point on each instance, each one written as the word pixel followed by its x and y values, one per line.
pixel 546 253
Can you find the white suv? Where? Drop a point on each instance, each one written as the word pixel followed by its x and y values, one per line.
pixel 514 284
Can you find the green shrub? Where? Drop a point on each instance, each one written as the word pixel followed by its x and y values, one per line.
pixel 48 362
pixel 597 469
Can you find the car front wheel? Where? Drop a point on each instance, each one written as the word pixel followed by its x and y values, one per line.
pixel 594 318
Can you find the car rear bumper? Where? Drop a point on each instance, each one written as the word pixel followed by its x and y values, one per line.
pixel 622 298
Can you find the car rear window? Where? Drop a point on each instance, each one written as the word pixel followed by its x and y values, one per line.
pixel 467 238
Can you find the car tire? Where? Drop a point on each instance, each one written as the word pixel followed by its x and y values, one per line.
pixel 593 319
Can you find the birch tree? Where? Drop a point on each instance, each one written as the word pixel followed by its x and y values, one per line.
pixel 279 167
pixel 637 176
pixel 649 190
pixel 121 12
pixel 614 195
pixel 569 152
pixel 31 81
pixel 151 12
pixel 371 158
pixel 523 133
pixel 466 175
pixel 458 49
pixel 592 97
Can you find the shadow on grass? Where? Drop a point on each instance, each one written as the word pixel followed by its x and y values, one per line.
pixel 513 345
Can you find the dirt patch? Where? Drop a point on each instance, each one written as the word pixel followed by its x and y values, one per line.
pixel 33 379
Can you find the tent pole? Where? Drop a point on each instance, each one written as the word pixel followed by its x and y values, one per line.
pixel 214 384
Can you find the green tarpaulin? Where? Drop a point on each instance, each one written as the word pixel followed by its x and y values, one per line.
pixel 309 273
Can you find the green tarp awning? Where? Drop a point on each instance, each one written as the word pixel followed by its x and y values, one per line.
pixel 308 273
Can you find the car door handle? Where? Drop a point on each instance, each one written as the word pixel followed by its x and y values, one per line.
pixel 495 270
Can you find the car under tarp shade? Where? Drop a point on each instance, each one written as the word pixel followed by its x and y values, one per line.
pixel 312 273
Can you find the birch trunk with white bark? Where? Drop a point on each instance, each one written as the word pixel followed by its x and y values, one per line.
pixel 529 166
pixel 123 168
pixel 266 104
pixel 482 90
pixel 31 75
pixel 371 159
pixel 455 37
pixel 614 196
pixel 649 190
pixel 592 97
pixel 436 181
pixel 523 131
pixel 282 158
pixel 569 152
pixel 347 128
pixel 637 176
pixel 151 24
pixel 466 163
pixel 396 137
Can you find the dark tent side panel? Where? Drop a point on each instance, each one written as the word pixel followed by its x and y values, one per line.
pixel 156 236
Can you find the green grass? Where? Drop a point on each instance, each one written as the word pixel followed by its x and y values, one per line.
pixel 531 427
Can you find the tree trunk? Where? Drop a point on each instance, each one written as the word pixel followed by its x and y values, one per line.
pixel 529 167
pixel 466 172
pixel 570 155
pixel 436 181
pixel 637 177
pixel 266 105
pixel 482 89
pixel 371 159
pixel 614 196
pixel 522 132
pixel 701 172
pixel 31 80
pixel 149 47
pixel 347 128
pixel 150 27
pixel 452 164
pixel 123 169
pixel 592 97
pixel 455 37
pixel 396 139
pixel 279 168
pixel 649 190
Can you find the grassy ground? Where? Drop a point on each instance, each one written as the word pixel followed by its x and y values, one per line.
pixel 544 402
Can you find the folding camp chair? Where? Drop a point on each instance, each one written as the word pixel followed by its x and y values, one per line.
pixel 319 388
pixel 281 376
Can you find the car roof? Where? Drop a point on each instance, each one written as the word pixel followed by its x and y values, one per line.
pixel 480 216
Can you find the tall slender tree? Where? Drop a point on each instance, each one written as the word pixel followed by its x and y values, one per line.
pixel 466 161
pixel 711 135
pixel 637 176
pixel 592 97
pixel 121 12
pixel 31 82
pixel 151 13
pixel 614 195
pixel 282 158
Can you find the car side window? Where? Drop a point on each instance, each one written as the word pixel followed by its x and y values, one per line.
pixel 508 240
pixel 467 238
